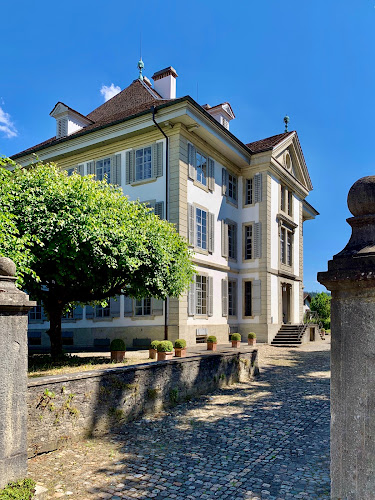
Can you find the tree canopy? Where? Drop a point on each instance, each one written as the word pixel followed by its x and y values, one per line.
pixel 321 303
pixel 76 239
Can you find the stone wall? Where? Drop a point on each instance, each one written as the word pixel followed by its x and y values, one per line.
pixel 68 407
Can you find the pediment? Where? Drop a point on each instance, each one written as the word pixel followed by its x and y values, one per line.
pixel 59 109
pixel 289 157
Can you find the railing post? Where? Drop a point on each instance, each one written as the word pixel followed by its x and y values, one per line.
pixel 351 279
pixel 14 306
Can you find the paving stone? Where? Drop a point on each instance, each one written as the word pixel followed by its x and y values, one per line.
pixel 251 441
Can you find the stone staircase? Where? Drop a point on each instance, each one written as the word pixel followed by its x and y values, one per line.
pixel 289 335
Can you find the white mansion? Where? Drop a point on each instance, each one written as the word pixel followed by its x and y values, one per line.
pixel 241 207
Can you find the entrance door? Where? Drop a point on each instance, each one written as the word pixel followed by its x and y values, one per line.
pixel 285 294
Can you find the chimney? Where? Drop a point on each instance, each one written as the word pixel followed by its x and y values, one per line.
pixel 165 82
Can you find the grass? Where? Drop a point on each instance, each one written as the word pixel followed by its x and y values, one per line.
pixel 41 365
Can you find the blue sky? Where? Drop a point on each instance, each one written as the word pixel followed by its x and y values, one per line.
pixel 311 60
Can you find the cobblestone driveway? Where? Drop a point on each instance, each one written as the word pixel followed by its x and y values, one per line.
pixel 267 439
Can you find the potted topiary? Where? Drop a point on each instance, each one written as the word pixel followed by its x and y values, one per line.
pixel 118 349
pixel 180 348
pixel 153 349
pixel 211 343
pixel 236 340
pixel 165 350
pixel 251 338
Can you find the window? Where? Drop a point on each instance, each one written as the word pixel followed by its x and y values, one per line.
pixel 36 313
pixel 232 298
pixel 286 246
pixel 290 203
pixel 232 241
pixel 247 299
pixel 68 315
pixel 102 312
pixel 34 338
pixel 225 122
pixel 201 228
pixel 248 242
pixel 142 307
pixel 232 188
pixel 143 164
pixel 282 199
pixel 103 169
pixel 201 295
pixel 67 338
pixel 201 166
pixel 249 192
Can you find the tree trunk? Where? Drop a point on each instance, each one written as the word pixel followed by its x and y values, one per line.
pixel 54 331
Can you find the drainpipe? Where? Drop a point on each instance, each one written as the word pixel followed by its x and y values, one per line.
pixel 166 206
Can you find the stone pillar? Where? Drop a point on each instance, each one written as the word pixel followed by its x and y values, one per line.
pixel 14 306
pixel 351 279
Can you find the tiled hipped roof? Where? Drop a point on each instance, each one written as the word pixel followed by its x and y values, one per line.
pixel 268 143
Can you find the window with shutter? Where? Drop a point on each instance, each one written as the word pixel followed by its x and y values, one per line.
pixel 232 297
pixel 142 307
pixel 249 197
pixel 248 306
pixel 103 169
pixel 143 164
pixel 201 228
pixel 159 209
pixel 248 243
pixel 224 181
pixel 232 239
pixel 224 297
pixel 91 168
pixel 114 305
pixel 116 170
pixel 102 312
pixel 256 292
pixel 200 295
pixel 81 169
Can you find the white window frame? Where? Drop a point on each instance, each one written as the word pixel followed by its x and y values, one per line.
pixel 103 312
pixel 201 229
pixel 232 188
pixel 247 227
pixel 143 307
pixel 201 295
pixel 150 162
pixel 232 297
pixel 104 171
pixel 249 191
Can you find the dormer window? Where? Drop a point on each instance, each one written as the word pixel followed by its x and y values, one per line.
pixel 225 122
pixel 223 113
pixel 68 120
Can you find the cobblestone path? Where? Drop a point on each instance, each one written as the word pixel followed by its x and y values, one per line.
pixel 268 439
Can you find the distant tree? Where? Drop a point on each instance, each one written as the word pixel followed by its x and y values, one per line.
pixel 321 303
pixel 79 240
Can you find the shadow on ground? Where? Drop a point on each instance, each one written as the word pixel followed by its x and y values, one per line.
pixel 267 439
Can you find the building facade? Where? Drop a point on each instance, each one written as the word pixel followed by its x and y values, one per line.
pixel 240 206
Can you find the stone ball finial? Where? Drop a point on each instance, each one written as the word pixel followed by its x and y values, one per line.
pixel 7 267
pixel 361 197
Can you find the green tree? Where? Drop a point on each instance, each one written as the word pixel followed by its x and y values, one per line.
pixel 81 240
pixel 321 303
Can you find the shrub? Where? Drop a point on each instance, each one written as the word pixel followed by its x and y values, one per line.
pixel 19 490
pixel 165 346
pixel 154 344
pixel 236 337
pixel 251 335
pixel 180 344
pixel 212 339
pixel 118 345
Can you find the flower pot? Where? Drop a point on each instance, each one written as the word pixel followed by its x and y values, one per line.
pixel 211 346
pixel 236 344
pixel 152 353
pixel 251 341
pixel 162 356
pixel 180 353
pixel 118 356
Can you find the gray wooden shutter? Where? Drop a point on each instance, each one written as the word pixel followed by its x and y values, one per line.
pixel 258 188
pixel 224 239
pixel 91 168
pixel 159 159
pixel 159 209
pixel 128 306
pixel 157 307
pixel 258 240
pixel 211 174
pixel 191 161
pixel 211 232
pixel 210 297
pixel 116 170
pixel 80 169
pixel 154 160
pixel 234 298
pixel 191 300
pixel 191 223
pixel 78 312
pixel 90 312
pixel 256 297
pixel 224 297
pixel 235 232
pixel 129 167
pixel 224 180
pixel 114 306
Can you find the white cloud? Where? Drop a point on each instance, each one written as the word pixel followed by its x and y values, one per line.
pixel 6 125
pixel 109 92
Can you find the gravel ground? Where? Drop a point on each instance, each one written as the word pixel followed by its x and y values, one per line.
pixel 268 439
